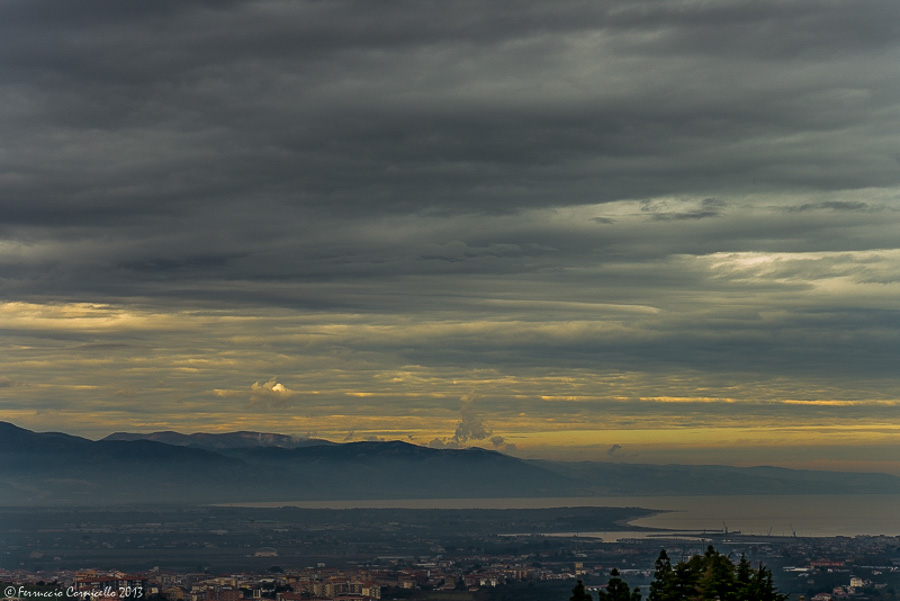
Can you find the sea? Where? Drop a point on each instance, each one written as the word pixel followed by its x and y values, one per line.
pixel 762 515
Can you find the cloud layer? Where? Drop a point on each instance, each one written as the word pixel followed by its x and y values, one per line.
pixel 635 220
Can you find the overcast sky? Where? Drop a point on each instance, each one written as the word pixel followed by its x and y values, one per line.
pixel 649 231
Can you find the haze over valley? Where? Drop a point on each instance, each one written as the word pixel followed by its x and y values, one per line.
pixel 57 468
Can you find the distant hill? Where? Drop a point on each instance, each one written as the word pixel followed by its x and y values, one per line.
pixel 607 478
pixel 229 440
pixel 51 468
pixel 55 468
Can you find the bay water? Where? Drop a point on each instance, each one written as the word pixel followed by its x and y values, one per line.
pixel 774 515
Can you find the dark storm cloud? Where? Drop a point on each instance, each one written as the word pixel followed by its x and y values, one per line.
pixel 167 265
pixel 667 187
pixel 349 106
pixel 708 207
pixel 835 205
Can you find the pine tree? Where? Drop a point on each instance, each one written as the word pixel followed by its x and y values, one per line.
pixel 762 588
pixel 579 594
pixel 618 590
pixel 661 588
pixel 717 576
pixel 744 578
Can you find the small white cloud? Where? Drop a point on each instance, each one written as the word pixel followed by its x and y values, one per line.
pixel 270 393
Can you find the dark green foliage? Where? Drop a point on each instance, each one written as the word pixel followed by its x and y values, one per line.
pixel 579 594
pixel 708 577
pixel 662 586
pixel 618 590
pixel 717 577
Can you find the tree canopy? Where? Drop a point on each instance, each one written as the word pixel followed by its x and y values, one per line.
pixel 711 576
pixel 618 590
pixel 708 577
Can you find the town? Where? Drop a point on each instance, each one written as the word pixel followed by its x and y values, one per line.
pixel 230 554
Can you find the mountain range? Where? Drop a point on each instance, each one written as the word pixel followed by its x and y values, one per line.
pixel 167 467
pixel 228 440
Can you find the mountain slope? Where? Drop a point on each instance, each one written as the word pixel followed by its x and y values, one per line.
pixel 228 440
pixel 57 468
pixel 402 470
pixel 54 468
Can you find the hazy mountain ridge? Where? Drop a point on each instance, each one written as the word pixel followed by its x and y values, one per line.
pixel 53 468
pixel 676 479
pixel 220 441
pixel 58 468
